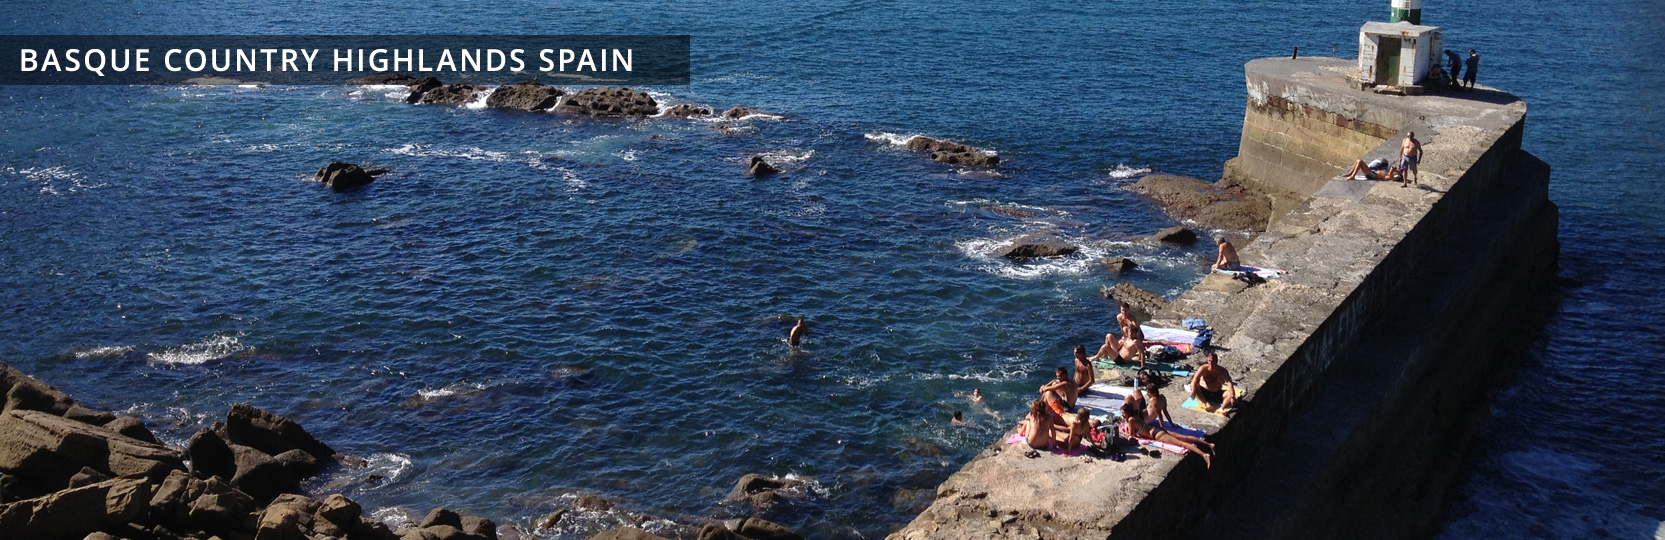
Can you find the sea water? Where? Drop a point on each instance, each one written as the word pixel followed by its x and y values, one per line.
pixel 527 305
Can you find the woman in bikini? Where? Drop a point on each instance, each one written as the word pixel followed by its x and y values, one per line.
pixel 1156 408
pixel 1137 427
pixel 1037 427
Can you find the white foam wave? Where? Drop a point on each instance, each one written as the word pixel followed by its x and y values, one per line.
pixel 1082 261
pixel 628 154
pixel 1123 172
pixel 574 183
pixel 452 390
pixel 55 180
pixel 892 139
pixel 208 350
pixel 471 153
pixel 788 156
pixel 479 99
pixel 102 352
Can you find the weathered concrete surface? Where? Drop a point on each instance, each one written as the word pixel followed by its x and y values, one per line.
pixel 1362 366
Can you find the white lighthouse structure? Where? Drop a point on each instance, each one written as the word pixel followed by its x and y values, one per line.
pixel 1399 54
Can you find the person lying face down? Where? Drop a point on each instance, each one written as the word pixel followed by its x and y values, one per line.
pixel 1212 385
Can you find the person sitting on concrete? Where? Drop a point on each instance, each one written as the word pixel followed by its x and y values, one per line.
pixel 1036 428
pixel 1125 319
pixel 1376 170
pixel 1227 259
pixel 1138 427
pixel 1410 152
pixel 1083 369
pixel 1060 392
pixel 1211 385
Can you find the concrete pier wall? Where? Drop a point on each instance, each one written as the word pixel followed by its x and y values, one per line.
pixel 1365 366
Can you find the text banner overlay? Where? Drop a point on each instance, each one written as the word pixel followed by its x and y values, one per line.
pixel 127 60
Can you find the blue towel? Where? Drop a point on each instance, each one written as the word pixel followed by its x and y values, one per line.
pixel 1195 324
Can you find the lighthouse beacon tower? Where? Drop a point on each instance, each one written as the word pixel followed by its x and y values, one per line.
pixel 1398 55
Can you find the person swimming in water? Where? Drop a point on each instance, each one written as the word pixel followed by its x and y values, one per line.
pixel 797 333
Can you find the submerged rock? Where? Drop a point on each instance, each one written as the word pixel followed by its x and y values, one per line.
pixel 1036 245
pixel 1119 264
pixel 525 96
pixel 952 153
pixel 1010 211
pixel 687 111
pixel 610 102
pixel 736 113
pixel 1212 206
pixel 756 166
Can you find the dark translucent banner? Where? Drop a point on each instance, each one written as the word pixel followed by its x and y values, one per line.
pixel 571 60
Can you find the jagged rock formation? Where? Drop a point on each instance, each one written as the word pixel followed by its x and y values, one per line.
pixel 1224 206
pixel 525 96
pixel 1036 245
pixel 610 102
pixel 952 153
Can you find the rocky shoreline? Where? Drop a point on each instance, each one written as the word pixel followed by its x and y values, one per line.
pixel 69 472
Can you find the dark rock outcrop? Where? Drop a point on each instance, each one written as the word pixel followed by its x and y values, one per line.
pixel 747 529
pixel 736 113
pixel 421 87
pixel 133 428
pixel 1036 245
pixel 23 392
pixel 610 102
pixel 756 166
pixel 952 153
pixel 762 491
pixel 210 455
pixel 451 94
pixel 1175 235
pixel 385 78
pixel 1119 264
pixel 299 463
pixel 1010 212
pixel 1145 304
pixel 260 476
pixel 270 433
pixel 687 111
pixel 525 96
pixel 1213 206
pixel 341 176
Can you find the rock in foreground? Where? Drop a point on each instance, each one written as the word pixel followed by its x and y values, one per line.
pixel 952 153
pixel 1036 245
pixel 687 111
pixel 610 102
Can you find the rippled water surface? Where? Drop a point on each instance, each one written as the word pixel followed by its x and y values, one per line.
pixel 528 305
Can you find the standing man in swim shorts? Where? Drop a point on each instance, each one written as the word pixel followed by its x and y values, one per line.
pixel 1410 152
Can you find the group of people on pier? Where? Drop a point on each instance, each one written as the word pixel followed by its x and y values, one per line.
pixel 1056 422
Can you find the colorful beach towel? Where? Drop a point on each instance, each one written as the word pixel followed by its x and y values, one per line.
pixel 1267 273
pixel 1153 443
pixel 1166 335
pixel 1017 437
pixel 1104 398
pixel 1193 404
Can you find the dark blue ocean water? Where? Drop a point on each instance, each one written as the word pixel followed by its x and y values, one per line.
pixel 528 306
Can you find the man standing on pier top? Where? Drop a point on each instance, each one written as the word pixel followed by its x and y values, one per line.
pixel 1410 152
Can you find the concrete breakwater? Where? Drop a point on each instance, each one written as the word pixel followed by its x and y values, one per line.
pixel 1365 366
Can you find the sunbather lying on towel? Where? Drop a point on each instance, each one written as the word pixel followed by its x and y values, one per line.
pixel 1212 385
pixel 1137 427
pixel 1377 170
